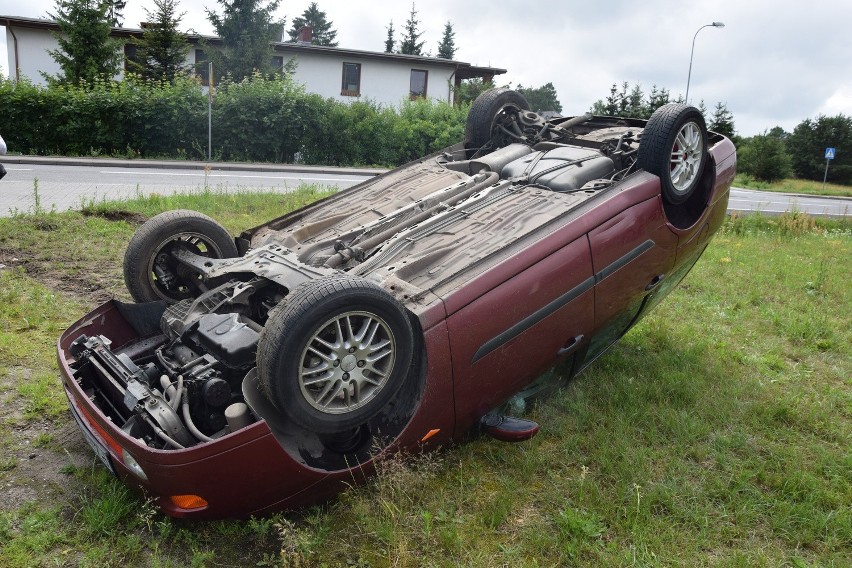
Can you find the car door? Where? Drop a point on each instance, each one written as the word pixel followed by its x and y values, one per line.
pixel 632 254
pixel 511 333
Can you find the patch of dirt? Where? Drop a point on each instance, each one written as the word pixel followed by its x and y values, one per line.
pixel 119 215
pixel 92 285
pixel 33 471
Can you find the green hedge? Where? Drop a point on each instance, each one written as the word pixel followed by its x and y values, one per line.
pixel 258 119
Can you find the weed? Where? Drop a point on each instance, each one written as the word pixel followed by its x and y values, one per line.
pixel 42 440
pixel 36 198
pixel 107 510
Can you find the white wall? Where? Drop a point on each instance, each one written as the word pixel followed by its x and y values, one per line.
pixel 32 53
pixel 383 81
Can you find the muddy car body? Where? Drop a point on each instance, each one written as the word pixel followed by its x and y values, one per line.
pixel 266 372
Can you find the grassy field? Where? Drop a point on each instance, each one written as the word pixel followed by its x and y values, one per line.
pixel 804 186
pixel 716 433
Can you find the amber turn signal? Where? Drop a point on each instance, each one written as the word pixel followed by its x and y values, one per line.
pixel 188 501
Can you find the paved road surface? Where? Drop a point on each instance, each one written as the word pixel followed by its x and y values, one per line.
pixel 768 203
pixel 67 187
pixel 66 184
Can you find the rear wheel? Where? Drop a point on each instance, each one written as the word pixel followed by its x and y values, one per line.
pixel 492 111
pixel 150 271
pixel 674 147
pixel 335 353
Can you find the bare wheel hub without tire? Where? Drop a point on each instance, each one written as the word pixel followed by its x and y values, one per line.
pixel 347 361
pixel 686 156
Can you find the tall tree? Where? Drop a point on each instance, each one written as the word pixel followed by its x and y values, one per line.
pixel 656 99
pixel 809 140
pixel 409 44
pixel 86 50
pixel 722 120
pixel 447 47
pixel 161 52
pixel 247 28
pixel 116 12
pixel 390 41
pixel 631 103
pixel 702 108
pixel 635 101
pixel 542 98
pixel 323 34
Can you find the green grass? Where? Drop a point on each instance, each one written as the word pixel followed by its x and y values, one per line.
pixel 803 186
pixel 716 433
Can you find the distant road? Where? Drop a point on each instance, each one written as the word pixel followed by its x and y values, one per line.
pixel 66 183
pixel 769 203
pixel 68 186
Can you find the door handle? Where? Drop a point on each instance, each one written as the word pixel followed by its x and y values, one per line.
pixel 654 282
pixel 572 344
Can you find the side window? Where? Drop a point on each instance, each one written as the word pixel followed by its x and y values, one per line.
pixel 419 80
pixel 351 84
pixel 201 69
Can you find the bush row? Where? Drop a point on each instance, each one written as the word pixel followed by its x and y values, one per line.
pixel 258 119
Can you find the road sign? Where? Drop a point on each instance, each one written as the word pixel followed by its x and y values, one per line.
pixel 829 153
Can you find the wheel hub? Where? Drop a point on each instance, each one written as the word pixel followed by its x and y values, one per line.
pixel 348 363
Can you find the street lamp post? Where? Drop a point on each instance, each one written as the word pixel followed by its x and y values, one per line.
pixel 691 53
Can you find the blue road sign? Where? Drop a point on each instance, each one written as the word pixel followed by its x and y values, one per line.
pixel 829 153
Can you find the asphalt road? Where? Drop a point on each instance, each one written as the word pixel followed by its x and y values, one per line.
pixel 67 183
pixel 69 186
pixel 769 203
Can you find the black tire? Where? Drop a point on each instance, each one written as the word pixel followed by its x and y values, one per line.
pixel 487 112
pixel 674 147
pixel 317 371
pixel 149 249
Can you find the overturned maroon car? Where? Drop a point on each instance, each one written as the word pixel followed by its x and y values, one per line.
pixel 269 370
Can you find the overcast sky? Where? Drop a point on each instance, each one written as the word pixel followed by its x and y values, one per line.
pixel 776 62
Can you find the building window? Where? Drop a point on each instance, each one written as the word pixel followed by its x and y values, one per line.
pixel 130 57
pixel 202 70
pixel 277 63
pixel 351 86
pixel 419 78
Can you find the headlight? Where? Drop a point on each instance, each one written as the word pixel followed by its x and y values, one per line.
pixel 133 465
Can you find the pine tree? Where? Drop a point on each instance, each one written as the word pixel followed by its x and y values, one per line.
pixel 247 28
pixel 161 52
pixel 116 9
pixel 722 120
pixel 702 108
pixel 447 47
pixel 635 104
pixel 409 44
pixel 390 41
pixel 86 50
pixel 656 99
pixel 317 20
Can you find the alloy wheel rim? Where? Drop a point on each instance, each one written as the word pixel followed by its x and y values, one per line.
pixel 347 362
pixel 685 157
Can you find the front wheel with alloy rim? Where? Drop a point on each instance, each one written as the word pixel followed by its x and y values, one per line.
pixel 674 147
pixel 335 353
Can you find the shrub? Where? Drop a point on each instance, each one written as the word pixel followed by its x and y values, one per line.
pixel 764 157
pixel 260 118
